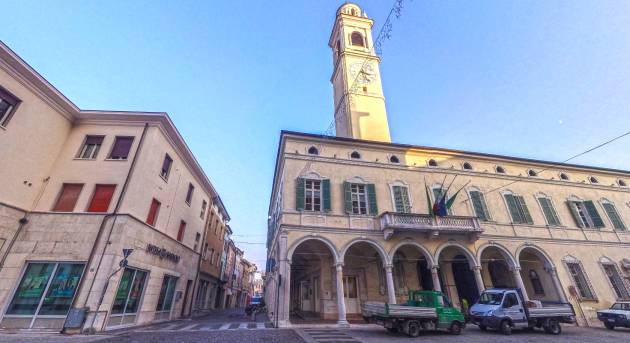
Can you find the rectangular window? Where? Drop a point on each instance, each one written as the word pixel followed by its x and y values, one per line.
pixel 121 148
pixel 91 146
pixel 204 204
pixel 585 214
pixel 129 293
pixel 359 198
pixel 518 209
pixel 616 282
pixel 181 231
pixel 8 105
pixel 165 299
pixel 101 198
pixel 580 281
pixel 68 197
pixel 58 281
pixel 401 199
pixel 189 194
pixel 479 205
pixel 197 238
pixel 166 167
pixel 212 256
pixel 613 215
pixel 549 211
pixel 154 210
pixel 312 195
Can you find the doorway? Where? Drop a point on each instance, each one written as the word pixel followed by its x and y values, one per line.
pixel 351 294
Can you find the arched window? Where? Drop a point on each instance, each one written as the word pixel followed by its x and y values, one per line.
pixel 536 284
pixel 313 151
pixel 432 163
pixel 564 177
pixel 500 170
pixel 592 179
pixel 532 173
pixel 394 159
pixel 353 12
pixel 467 166
pixel 356 39
pixel 622 183
pixel 355 155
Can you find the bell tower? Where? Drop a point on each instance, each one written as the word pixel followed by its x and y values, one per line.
pixel 358 94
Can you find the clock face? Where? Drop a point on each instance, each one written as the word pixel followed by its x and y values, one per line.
pixel 365 72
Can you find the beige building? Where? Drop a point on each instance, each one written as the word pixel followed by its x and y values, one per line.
pixel 349 215
pixel 76 188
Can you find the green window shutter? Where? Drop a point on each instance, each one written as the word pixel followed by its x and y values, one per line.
pixel 524 210
pixel 405 199
pixel 576 216
pixel 371 194
pixel 513 207
pixel 347 197
pixel 614 216
pixel 299 194
pixel 326 195
pixel 549 211
pixel 478 205
pixel 592 212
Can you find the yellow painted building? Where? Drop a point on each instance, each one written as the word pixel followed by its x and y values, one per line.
pixel 349 215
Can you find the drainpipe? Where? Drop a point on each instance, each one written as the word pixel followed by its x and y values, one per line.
pixel 102 227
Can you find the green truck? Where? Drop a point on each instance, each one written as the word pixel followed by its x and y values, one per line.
pixel 423 311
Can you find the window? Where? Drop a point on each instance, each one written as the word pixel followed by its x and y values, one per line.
pixel 617 283
pixel 394 159
pixel 189 194
pixel 536 284
pixel 479 205
pixel 356 39
pixel 613 215
pixel 579 280
pixel 121 148
pixel 91 146
pixel 165 299
pixel 166 167
pixel 68 197
pixel 153 212
pixel 355 155
pixel 313 151
pixel 204 204
pixel 500 170
pixel 518 209
pixel 549 211
pixel 8 105
pixel 401 199
pixel 181 231
pixel 564 176
pixel 101 198
pixel 592 179
pixel 433 163
pixel 532 173
pixel 510 300
pixel 585 214
pixel 197 238
pixel 467 166
pixel 359 199
pixel 127 298
pixel 622 183
pixel 438 193
pixel 312 195
pixel 46 289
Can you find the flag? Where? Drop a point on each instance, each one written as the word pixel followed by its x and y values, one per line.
pixel 426 190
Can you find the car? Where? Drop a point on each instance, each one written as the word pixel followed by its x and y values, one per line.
pixel 256 304
pixel 617 315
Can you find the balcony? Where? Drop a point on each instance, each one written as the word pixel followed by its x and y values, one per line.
pixel 432 226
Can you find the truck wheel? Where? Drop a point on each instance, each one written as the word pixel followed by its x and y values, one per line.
pixel 456 328
pixel 609 326
pixel 414 328
pixel 506 328
pixel 483 327
pixel 553 327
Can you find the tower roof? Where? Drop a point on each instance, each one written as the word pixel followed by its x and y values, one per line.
pixel 350 8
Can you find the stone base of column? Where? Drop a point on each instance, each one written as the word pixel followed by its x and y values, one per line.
pixel 343 323
pixel 284 323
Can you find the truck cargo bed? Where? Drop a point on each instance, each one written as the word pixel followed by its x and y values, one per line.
pixel 380 309
pixel 551 310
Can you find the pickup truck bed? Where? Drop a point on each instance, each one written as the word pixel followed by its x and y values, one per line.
pixel 551 310
pixel 384 310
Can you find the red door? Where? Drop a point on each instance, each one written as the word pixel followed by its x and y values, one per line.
pixel 101 198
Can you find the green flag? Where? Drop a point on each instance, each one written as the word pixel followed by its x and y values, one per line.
pixel 426 190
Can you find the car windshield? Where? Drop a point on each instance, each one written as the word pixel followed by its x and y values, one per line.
pixel 490 298
pixel 620 306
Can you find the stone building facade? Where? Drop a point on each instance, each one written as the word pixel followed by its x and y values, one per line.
pixel 81 187
pixel 349 217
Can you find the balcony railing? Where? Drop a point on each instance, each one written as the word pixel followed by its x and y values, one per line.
pixel 434 226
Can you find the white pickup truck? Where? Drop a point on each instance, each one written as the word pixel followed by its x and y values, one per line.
pixel 617 315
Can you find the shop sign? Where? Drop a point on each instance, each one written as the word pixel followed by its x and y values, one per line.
pixel 162 253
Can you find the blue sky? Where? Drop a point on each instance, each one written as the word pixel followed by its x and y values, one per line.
pixel 539 79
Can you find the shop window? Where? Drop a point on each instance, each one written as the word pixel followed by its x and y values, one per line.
pixel 68 197
pixel 101 198
pixel 165 299
pixel 121 148
pixel 128 296
pixel 91 146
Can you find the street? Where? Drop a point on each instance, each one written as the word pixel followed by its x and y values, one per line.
pixel 233 326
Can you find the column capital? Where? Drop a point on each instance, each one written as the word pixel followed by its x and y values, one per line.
pixel 477 268
pixel 389 267
pixel 435 268
pixel 339 266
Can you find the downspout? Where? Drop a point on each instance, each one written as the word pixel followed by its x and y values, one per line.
pixel 102 226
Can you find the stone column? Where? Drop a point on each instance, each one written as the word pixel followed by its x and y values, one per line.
pixel 284 272
pixel 341 304
pixel 519 282
pixel 391 292
pixel 436 279
pixel 557 285
pixel 479 279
